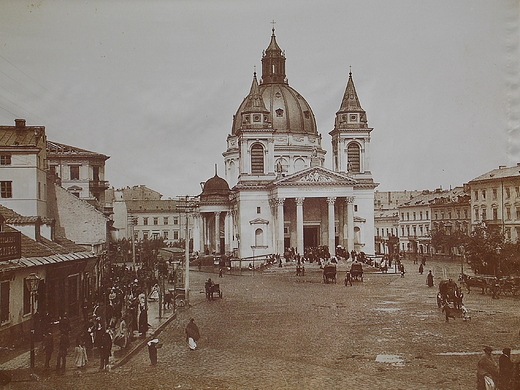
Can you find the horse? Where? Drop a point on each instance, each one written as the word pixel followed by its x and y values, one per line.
pixel 474 281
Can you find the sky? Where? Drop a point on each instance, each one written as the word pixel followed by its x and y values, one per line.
pixel 155 84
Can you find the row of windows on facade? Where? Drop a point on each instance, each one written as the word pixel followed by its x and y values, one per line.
pixel 155 220
pixel 257 158
pixel 157 235
pixel 6 189
pixel 5 159
pixel 449 215
pixel 482 214
pixel 494 193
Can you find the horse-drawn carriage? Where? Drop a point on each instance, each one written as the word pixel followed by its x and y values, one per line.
pixel 329 273
pixel 448 293
pixel 449 298
pixel 211 289
pixel 356 271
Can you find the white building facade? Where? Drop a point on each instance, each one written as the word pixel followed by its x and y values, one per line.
pixel 281 195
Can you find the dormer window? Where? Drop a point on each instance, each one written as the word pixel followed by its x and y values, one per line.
pixel 307 114
pixel 256 118
pixel 279 112
pixel 246 118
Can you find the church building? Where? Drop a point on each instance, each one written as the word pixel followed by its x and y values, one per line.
pixel 277 194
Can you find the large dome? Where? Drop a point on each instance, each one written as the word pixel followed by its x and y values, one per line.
pixel 289 111
pixel 284 110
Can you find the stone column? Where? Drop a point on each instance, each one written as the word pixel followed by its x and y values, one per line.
pixel 280 225
pixel 196 232
pixel 217 232
pixel 299 225
pixel 205 240
pixel 270 156
pixel 350 223
pixel 228 232
pixel 332 242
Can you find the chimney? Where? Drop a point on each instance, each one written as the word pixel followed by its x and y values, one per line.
pixel 19 123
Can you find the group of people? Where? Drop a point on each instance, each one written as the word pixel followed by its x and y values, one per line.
pixel 492 376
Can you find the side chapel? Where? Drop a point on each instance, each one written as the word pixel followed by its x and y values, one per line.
pixel 277 193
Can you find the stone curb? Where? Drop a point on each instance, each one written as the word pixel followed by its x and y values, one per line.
pixel 136 348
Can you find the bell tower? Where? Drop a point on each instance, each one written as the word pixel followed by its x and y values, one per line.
pixel 351 136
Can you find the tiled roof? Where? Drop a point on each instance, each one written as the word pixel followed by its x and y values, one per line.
pixel 12 217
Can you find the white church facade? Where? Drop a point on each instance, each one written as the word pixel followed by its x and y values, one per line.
pixel 277 194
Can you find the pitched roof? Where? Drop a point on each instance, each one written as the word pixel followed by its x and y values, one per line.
pixel 55 149
pixel 21 136
pixel 499 173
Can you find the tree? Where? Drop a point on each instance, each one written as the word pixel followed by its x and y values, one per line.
pixel 448 241
pixel 484 249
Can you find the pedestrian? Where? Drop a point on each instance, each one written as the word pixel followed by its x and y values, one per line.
pixel 105 349
pixel 143 320
pixel 496 288
pixel 220 272
pixel 506 369
pixel 348 279
pixel 192 334
pixel 429 279
pixel 487 371
pixel 48 346
pixel 401 268
pixel 64 323
pixel 62 351
pixel 80 353
pixel 152 351
pixel 421 269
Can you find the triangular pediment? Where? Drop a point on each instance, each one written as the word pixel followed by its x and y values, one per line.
pixel 259 221
pixel 315 175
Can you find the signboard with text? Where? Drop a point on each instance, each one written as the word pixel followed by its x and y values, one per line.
pixel 10 245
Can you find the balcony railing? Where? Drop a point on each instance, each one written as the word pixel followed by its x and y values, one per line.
pixel 98 185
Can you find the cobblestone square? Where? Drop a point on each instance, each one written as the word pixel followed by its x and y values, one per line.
pixel 276 330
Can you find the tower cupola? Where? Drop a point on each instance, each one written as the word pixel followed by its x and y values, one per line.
pixel 273 63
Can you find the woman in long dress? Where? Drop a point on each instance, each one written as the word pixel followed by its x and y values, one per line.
pixel 80 353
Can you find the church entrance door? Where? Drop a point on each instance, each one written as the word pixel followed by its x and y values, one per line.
pixel 310 236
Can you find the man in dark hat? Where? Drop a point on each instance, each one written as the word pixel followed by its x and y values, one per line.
pixel 487 370
pixel 506 369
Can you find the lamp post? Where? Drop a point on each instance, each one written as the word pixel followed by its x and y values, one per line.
pixel 32 281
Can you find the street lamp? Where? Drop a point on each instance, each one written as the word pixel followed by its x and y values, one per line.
pixel 31 282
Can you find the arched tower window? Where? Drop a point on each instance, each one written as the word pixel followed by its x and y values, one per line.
pixel 353 157
pixel 259 237
pixel 257 159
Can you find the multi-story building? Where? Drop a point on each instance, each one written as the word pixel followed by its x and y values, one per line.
pixel 141 211
pixel 386 218
pixel 415 222
pixel 23 177
pixel 495 200
pixel 451 213
pixel 81 172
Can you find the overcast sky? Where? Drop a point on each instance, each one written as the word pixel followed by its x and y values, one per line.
pixel 155 84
